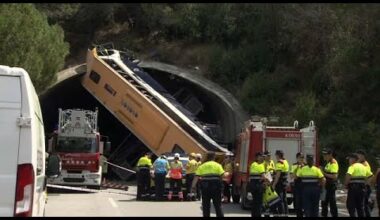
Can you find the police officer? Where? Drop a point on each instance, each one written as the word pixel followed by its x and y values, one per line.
pixel 296 185
pixel 280 180
pixel 312 180
pixel 356 177
pixel 191 167
pixel 210 173
pixel 362 159
pixel 330 172
pixel 268 162
pixel 143 175
pixel 256 178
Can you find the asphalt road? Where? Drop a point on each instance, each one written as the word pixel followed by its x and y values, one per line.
pixel 112 202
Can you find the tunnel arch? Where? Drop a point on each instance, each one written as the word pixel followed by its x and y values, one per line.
pixel 67 92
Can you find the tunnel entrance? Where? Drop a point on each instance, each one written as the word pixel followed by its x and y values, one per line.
pixel 126 149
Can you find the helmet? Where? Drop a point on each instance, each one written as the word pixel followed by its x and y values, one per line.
pixel 193 155
pixel 176 155
pixel 199 155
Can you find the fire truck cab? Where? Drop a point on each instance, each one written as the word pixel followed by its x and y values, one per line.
pixel 255 137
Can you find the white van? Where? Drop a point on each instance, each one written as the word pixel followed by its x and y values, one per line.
pixel 22 147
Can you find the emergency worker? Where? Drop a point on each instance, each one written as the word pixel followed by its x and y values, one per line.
pixel 268 162
pixel 228 168
pixel 312 180
pixel 256 179
pixel 330 171
pixel 175 175
pixel 198 192
pixel 143 176
pixel 362 159
pixel 161 167
pixel 356 177
pixel 191 167
pixel 210 173
pixel 280 180
pixel 296 184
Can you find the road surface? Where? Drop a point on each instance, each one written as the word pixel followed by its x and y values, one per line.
pixel 112 202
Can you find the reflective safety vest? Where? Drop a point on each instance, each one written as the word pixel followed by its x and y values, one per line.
pixel 256 170
pixel 175 170
pixel 283 166
pixel 359 173
pixel 144 163
pixel 270 197
pixel 210 170
pixel 191 166
pixel 332 167
pixel 310 175
pixel 269 166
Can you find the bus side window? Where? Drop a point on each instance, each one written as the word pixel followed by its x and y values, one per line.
pixel 95 77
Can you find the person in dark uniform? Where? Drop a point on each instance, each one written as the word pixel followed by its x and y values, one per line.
pixel 312 180
pixel 256 179
pixel 296 185
pixel 377 183
pixel 211 174
pixel 356 178
pixel 330 171
pixel 367 209
pixel 143 176
pixel 280 180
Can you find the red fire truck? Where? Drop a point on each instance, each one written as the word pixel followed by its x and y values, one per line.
pixel 255 137
pixel 78 143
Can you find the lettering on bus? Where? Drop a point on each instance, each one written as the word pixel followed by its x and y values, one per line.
pixel 129 108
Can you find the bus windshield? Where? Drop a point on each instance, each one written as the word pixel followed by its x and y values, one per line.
pixel 76 145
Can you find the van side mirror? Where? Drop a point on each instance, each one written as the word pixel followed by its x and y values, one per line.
pixel 107 147
pixel 54 166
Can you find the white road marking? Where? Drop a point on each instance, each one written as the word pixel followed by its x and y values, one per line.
pixel 113 203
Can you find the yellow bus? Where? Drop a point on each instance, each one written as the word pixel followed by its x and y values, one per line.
pixel 152 117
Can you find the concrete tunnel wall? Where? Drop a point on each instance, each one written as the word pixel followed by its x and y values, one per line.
pixel 68 92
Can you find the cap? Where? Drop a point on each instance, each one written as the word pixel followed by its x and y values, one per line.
pixel 279 152
pixel 193 155
pixel 198 155
pixel 259 154
pixel 309 157
pixel 362 152
pixel 266 153
pixel 354 156
pixel 327 151
pixel 176 155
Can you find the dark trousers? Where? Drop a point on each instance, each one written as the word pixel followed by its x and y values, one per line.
pixel 297 198
pixel 367 209
pixel 257 191
pixel 310 199
pixel 211 189
pixel 159 182
pixel 330 200
pixel 355 199
pixel 189 181
pixel 378 200
pixel 143 183
pixel 227 190
pixel 175 185
pixel 198 189
pixel 281 191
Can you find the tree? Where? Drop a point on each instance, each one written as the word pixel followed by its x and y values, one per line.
pixel 28 41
